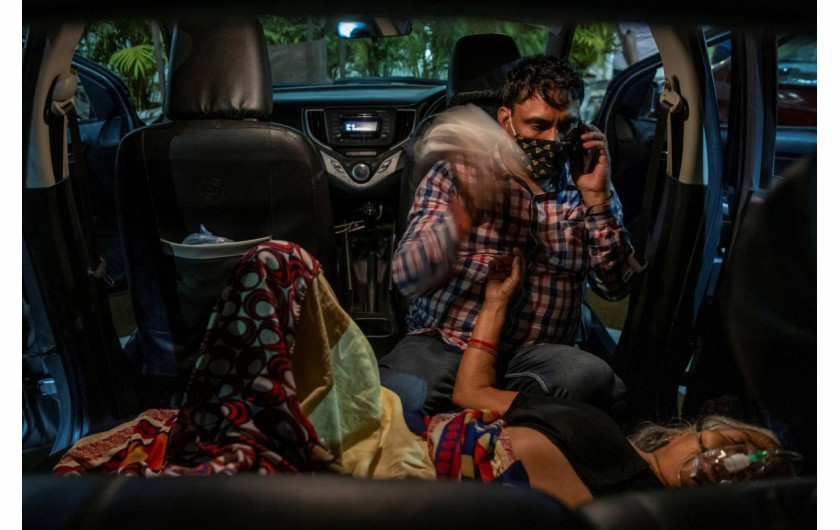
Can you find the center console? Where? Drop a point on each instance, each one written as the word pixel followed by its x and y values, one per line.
pixel 361 147
pixel 364 149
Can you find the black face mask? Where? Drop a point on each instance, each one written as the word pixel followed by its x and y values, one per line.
pixel 546 158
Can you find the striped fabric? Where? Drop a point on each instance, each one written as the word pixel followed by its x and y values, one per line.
pixel 464 445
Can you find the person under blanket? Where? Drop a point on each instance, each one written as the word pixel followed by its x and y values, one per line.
pixel 286 382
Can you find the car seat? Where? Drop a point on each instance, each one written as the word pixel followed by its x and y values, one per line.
pixel 217 165
pixel 477 70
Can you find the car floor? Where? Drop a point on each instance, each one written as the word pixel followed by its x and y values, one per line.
pixel 611 314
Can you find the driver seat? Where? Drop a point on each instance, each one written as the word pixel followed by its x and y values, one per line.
pixel 477 70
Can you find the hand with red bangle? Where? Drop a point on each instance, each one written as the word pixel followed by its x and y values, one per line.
pixel 477 371
pixel 505 277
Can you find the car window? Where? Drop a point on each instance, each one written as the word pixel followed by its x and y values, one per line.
pixel 84 110
pixel 797 58
pixel 309 51
pixel 602 52
pixel 303 51
pixel 136 53
pixel 797 71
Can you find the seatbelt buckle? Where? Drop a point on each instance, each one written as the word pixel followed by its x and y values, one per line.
pixel 670 96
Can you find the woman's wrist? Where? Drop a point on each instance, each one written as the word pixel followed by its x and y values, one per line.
pixel 494 306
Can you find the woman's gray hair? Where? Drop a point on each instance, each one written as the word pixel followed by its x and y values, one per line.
pixel 651 436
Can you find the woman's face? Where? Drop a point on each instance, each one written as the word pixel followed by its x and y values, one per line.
pixel 713 439
pixel 677 459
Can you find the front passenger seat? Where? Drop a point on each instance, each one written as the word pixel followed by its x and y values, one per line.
pixel 215 164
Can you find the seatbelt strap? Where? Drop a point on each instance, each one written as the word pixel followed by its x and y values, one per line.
pixel 66 109
pixel 671 105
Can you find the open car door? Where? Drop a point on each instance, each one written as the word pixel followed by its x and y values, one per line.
pixel 674 211
pixel 75 376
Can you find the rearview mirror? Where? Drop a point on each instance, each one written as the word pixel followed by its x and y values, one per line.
pixel 372 27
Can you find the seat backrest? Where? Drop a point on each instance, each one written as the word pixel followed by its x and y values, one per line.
pixel 215 163
pixel 251 501
pixel 477 70
pixel 776 503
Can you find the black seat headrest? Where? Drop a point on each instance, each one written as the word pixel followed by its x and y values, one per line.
pixel 478 67
pixel 219 70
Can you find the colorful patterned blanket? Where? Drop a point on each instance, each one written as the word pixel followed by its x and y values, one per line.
pixel 469 445
pixel 284 382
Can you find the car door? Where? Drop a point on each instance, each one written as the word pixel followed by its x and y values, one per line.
pixel 106 114
pixel 675 221
pixel 75 375
pixel 772 120
pixel 766 118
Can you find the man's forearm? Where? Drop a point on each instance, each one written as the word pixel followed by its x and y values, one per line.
pixel 611 261
pixel 424 257
pixel 430 244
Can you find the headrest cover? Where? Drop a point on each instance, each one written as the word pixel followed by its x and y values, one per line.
pixel 479 64
pixel 219 69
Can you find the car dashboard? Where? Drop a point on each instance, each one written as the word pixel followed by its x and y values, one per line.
pixel 362 132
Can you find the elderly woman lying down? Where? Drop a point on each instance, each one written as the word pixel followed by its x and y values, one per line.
pixel 286 382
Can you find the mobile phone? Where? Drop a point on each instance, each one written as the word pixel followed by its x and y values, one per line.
pixel 584 158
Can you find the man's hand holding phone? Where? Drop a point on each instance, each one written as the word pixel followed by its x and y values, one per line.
pixel 590 165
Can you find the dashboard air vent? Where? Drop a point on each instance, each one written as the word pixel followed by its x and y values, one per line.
pixel 317 125
pixel 404 125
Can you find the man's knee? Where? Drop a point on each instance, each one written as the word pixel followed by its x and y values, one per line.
pixel 566 372
pixel 421 372
pixel 596 376
pixel 411 389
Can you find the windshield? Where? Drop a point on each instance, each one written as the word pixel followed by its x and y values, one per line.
pixel 308 51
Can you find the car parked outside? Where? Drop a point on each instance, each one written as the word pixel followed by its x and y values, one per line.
pixel 357 104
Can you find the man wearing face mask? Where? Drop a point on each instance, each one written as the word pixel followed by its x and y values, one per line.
pixel 561 212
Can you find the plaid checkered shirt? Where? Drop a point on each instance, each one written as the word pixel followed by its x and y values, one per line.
pixel 564 243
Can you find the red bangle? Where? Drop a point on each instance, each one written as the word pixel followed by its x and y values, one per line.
pixel 483 343
pixel 482 347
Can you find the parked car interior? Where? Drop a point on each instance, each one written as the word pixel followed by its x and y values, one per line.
pixel 263 121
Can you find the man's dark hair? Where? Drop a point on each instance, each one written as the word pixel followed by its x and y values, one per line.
pixel 553 79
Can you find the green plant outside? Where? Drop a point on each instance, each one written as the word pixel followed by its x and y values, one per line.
pixel 127 48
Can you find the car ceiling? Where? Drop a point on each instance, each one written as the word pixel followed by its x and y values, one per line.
pixel 767 14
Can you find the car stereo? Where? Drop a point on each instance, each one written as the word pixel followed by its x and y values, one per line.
pixel 360 127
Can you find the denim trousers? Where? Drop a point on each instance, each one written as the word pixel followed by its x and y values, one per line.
pixel 421 371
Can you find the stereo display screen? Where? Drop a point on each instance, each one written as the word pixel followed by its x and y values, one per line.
pixel 360 126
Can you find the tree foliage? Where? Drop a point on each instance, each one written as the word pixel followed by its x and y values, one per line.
pixel 126 48
pixel 424 53
pixel 591 44
pixel 137 66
